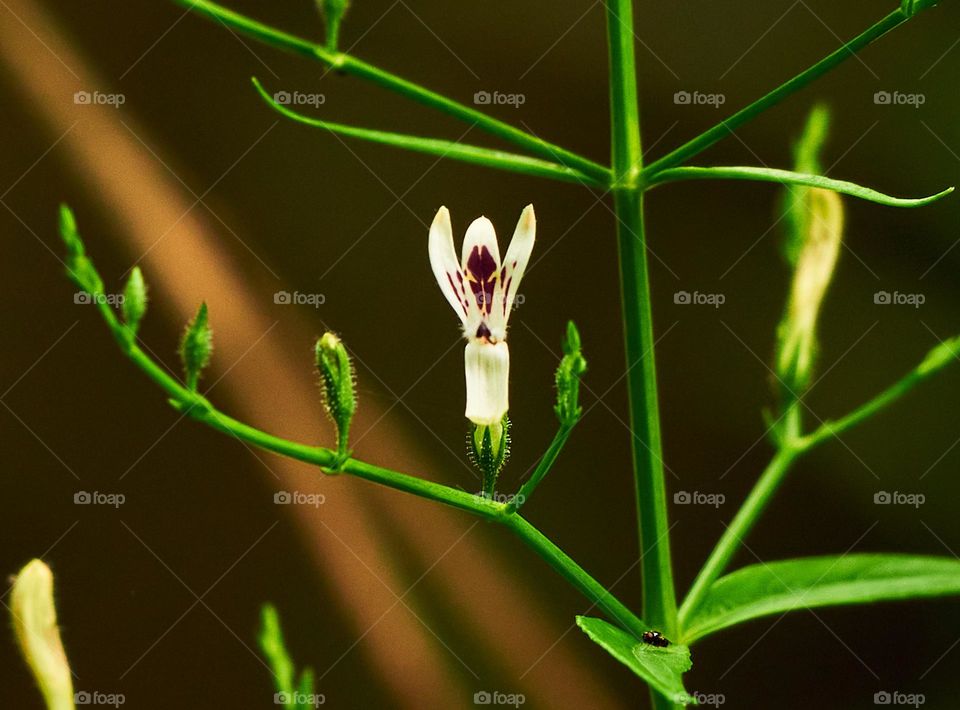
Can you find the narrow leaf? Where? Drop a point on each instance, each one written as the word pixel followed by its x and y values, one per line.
pixel 661 668
pixel 434 146
pixel 778 587
pixel 788 177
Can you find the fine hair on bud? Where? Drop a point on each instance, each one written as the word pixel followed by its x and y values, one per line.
pixel 337 386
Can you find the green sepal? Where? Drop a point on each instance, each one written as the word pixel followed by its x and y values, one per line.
pixel 489 449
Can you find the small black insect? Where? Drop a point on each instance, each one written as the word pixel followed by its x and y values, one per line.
pixel 655 638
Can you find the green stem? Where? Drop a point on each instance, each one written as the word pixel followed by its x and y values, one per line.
pixel 348 64
pixel 739 528
pixel 542 469
pixel 659 600
pixel 199 408
pixel 455 150
pixel 729 125
pixel 573 573
pixel 938 358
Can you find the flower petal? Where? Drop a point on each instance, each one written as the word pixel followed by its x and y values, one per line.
pixel 481 267
pixel 515 263
pixel 487 368
pixel 446 269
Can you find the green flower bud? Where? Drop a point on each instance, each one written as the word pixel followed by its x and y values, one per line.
pixel 797 347
pixel 489 449
pixel 571 367
pixel 196 347
pixel 80 269
pixel 134 304
pixel 35 625
pixel 814 232
pixel 337 388
pixel 333 12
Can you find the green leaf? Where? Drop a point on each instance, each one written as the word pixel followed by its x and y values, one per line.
pixel 662 668
pixel 778 587
pixel 433 146
pixel 788 177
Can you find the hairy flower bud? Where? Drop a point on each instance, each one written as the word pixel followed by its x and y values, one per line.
pixel 80 269
pixel 571 367
pixel 35 625
pixel 196 347
pixel 336 374
pixel 134 300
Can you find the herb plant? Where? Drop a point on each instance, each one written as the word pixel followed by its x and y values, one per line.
pixel 655 640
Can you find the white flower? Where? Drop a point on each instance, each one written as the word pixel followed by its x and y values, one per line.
pixel 481 289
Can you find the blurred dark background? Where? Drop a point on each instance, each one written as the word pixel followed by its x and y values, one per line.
pixel 393 602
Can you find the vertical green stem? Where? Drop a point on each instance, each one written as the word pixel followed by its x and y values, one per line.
pixel 659 601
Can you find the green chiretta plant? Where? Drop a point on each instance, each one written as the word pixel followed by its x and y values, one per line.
pixel 654 642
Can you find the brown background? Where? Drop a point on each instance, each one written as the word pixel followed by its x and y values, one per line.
pixel 288 208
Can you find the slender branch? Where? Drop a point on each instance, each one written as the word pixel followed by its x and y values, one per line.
pixel 349 64
pixel 792 446
pixel 739 528
pixel 446 149
pixel 728 125
pixel 789 177
pixel 199 408
pixel 659 600
pixel 543 468
pixel 572 572
pixel 940 357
